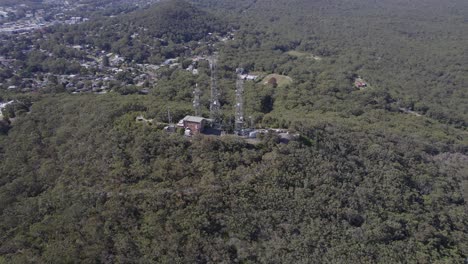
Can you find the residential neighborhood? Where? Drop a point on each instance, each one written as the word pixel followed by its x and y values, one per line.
pixel 95 70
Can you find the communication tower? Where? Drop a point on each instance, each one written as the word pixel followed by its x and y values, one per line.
pixel 239 115
pixel 215 107
pixel 196 100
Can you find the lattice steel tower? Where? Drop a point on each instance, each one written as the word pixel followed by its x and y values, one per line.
pixel 196 100
pixel 239 115
pixel 215 107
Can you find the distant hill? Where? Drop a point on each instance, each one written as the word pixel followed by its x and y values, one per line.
pixel 173 21
pixel 177 21
pixel 146 35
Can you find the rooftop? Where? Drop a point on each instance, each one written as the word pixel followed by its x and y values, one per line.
pixel 195 119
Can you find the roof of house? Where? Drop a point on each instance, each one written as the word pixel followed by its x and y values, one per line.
pixel 195 119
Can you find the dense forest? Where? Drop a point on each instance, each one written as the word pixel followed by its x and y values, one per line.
pixel 92 185
pixel 377 175
pixel 417 51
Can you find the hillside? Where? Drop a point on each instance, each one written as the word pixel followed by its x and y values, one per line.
pixel 416 51
pixel 94 184
pixel 371 175
pixel 176 21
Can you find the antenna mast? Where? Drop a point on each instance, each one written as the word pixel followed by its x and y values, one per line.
pixel 196 100
pixel 215 105
pixel 169 117
pixel 239 121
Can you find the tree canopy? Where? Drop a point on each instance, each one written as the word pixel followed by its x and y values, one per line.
pixel 376 175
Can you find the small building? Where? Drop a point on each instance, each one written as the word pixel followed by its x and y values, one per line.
pixel 170 128
pixel 360 83
pixel 248 77
pixel 253 134
pixel 196 124
pixel 170 61
pixel 140 118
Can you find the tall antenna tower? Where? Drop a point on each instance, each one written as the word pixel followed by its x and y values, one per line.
pixel 239 122
pixel 169 117
pixel 215 106
pixel 196 100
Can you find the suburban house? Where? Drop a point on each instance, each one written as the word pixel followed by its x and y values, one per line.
pixel 196 124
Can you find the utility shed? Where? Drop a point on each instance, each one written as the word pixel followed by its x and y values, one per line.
pixel 196 124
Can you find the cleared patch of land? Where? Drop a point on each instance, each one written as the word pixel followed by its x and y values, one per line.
pixel 281 80
pixel 301 54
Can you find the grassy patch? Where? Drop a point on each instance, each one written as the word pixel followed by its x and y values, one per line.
pixel 281 80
